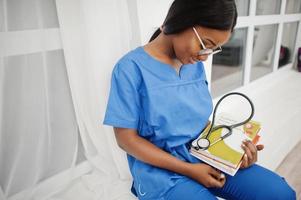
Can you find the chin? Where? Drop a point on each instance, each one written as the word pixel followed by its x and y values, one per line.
pixel 183 62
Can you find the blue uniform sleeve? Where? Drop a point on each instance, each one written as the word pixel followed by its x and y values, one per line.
pixel 123 106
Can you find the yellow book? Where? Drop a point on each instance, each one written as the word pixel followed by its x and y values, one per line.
pixel 226 155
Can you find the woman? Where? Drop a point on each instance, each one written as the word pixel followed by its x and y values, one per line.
pixel 159 101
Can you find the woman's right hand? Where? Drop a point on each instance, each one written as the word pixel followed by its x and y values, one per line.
pixel 206 175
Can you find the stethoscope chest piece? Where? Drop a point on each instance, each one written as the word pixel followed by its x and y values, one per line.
pixel 201 143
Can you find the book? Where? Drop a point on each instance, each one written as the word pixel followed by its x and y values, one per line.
pixel 226 155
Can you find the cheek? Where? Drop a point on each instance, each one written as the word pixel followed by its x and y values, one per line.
pixel 184 51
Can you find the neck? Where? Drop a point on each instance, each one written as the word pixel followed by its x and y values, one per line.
pixel 162 48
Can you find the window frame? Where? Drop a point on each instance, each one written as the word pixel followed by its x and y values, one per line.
pixel 250 22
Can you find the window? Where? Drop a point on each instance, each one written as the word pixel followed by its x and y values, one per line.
pixel 288 43
pixel 268 7
pixel 263 50
pixel 242 7
pixel 266 38
pixel 293 6
pixel 227 68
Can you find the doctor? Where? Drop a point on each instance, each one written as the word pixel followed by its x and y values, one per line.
pixel 159 101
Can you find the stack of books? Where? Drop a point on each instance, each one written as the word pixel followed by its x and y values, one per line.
pixel 226 155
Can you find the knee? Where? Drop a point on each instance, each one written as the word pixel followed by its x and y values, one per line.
pixel 286 193
pixel 280 192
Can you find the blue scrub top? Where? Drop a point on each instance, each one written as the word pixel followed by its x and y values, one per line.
pixel 167 109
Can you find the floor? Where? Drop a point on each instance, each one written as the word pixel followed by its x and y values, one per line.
pixel 290 168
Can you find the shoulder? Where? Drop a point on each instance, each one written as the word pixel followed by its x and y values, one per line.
pixel 128 61
pixel 127 66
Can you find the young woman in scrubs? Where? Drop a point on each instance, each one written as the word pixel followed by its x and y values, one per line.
pixel 159 102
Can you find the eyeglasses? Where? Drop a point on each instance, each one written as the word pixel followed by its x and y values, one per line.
pixel 204 50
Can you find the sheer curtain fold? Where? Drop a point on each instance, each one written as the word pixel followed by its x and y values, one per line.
pixel 48 97
pixel 26 140
pixel 95 34
pixel 32 103
pixel 38 131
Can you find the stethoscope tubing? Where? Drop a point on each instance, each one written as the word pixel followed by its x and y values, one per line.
pixel 229 127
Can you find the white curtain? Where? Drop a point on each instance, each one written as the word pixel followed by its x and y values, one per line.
pixel 95 34
pixel 49 96
pixel 38 130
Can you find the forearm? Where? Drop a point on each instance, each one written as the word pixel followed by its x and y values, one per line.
pixel 147 152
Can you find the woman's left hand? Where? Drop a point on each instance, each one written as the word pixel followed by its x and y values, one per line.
pixel 250 156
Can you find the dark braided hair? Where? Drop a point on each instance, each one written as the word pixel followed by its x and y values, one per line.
pixel 183 14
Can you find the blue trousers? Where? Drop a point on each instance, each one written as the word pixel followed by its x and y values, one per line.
pixel 251 183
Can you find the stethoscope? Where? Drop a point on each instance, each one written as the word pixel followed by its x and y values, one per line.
pixel 204 143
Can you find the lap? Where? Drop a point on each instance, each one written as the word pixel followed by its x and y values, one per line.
pixel 255 182
pixel 189 189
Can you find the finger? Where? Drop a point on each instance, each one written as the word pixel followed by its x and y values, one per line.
pixel 216 183
pixel 247 151
pixel 222 178
pixel 223 181
pixel 259 147
pixel 244 163
pixel 242 166
pixel 215 173
pixel 252 148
